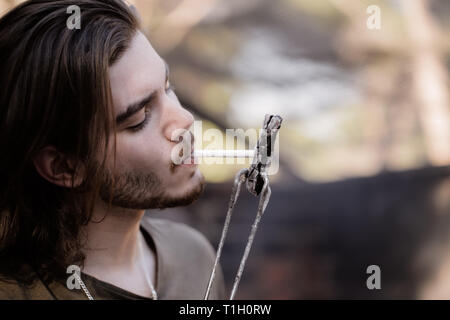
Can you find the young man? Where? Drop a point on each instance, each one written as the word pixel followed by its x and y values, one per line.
pixel 87 122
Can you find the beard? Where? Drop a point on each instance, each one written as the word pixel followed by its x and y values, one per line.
pixel 136 190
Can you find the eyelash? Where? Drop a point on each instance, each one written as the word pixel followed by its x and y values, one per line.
pixel 141 125
pixel 171 87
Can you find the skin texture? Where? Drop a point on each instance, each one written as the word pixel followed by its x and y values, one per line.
pixel 144 174
pixel 147 177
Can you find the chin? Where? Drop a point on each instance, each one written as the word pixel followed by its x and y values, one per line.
pixel 194 181
pixel 186 193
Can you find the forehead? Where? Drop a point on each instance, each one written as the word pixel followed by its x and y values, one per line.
pixel 138 72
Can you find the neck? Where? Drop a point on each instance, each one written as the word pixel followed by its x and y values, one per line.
pixel 113 238
pixel 116 251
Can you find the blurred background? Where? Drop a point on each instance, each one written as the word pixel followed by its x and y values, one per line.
pixel 364 174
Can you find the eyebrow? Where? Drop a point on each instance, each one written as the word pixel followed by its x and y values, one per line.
pixel 137 106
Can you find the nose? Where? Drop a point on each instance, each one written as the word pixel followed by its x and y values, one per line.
pixel 175 117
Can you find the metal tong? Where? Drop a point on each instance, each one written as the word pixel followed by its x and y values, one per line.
pixel 257 183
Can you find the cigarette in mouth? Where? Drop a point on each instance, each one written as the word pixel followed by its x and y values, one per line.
pixel 224 153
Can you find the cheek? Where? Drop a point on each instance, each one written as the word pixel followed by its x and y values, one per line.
pixel 142 152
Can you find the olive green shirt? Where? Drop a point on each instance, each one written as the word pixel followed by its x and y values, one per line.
pixel 184 260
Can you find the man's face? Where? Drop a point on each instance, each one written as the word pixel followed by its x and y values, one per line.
pixel 145 176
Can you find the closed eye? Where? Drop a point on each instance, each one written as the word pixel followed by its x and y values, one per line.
pixel 142 124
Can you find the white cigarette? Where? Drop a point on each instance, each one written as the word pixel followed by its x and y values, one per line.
pixel 224 153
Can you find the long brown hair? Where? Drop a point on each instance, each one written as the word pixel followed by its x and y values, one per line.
pixel 54 90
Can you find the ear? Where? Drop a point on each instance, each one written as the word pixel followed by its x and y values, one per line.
pixel 57 168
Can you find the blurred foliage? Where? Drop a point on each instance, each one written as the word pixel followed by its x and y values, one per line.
pixel 355 101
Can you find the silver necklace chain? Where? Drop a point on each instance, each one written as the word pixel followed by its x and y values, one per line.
pixel 83 286
pixel 88 294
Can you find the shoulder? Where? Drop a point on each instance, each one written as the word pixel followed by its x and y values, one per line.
pixel 187 259
pixel 179 236
pixel 11 289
